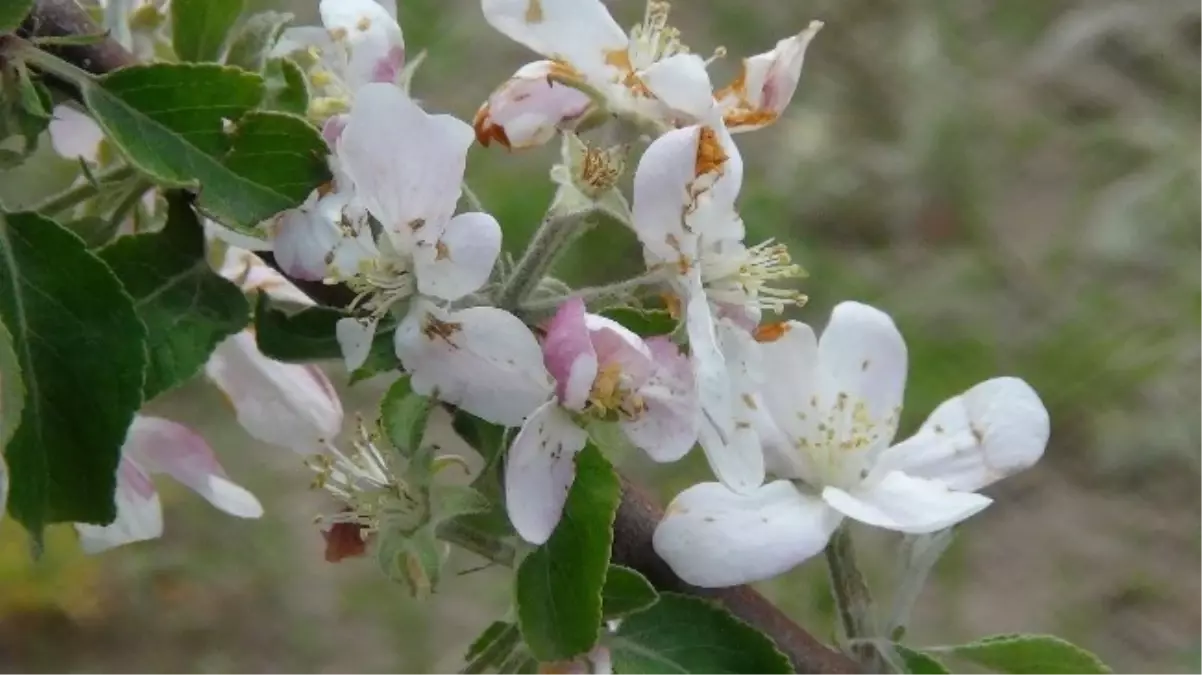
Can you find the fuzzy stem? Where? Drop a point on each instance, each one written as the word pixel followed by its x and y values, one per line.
pixel 557 231
pixel 489 548
pixel 596 297
pixel 853 601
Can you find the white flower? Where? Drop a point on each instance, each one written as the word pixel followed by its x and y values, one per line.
pixel 684 214
pixel 834 407
pixel 648 76
pixel 602 372
pixel 155 445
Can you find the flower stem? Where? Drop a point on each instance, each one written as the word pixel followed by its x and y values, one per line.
pixel 83 192
pixel 596 297
pixel 557 231
pixel 853 601
pixel 490 548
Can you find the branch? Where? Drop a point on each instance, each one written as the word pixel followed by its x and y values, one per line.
pixel 638 513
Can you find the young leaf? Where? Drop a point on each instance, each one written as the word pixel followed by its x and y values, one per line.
pixel 643 322
pixel 255 38
pixel 12 13
pixel 919 663
pixel 625 591
pixel 308 335
pixel 188 309
pixel 199 27
pixel 287 89
pixel 191 125
pixel 12 391
pixel 82 354
pixel 492 648
pixel 24 111
pixel 559 584
pixel 403 416
pixel 683 634
pixel 1019 653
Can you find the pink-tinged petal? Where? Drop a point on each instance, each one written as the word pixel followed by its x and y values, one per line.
pixel 862 358
pixel 162 446
pixel 713 538
pixel 529 108
pixel 482 359
pixel 302 240
pixel 462 259
pixel 661 195
pixel 73 134
pixel 905 504
pixel 993 430
pixel 790 386
pixel 406 166
pixel 354 337
pixel 569 355
pixel 667 429
pixel 285 404
pixel 577 32
pixel 139 513
pixel 766 83
pixel 372 37
pixel 539 469
pixel 332 128
pixel 618 345
pixel 681 83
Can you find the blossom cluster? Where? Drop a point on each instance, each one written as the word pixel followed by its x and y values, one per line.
pixel 798 430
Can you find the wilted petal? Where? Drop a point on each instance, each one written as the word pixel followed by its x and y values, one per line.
pixel 766 83
pixel 902 503
pixel 661 195
pixel 406 166
pixel 162 446
pixel 682 83
pixel 139 513
pixel 539 470
pixel 462 259
pixel 993 430
pixel 252 274
pixel 529 108
pixel 712 537
pixel 482 359
pixel 862 357
pixel 354 338
pixel 569 355
pixel 372 37
pixel 667 429
pixel 285 404
pixel 74 134
pixel 578 32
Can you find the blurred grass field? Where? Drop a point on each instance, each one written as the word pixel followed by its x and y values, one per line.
pixel 1016 182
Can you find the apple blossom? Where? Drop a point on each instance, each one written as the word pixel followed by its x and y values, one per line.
pixel 603 372
pixel 154 445
pixel 648 76
pixel 833 407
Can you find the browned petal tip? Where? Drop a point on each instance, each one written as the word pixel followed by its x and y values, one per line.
pixel 770 332
pixel 486 131
pixel 344 540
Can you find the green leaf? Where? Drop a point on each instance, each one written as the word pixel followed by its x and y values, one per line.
pixel 94 230
pixel 24 111
pixel 1018 653
pixel 453 501
pixel 12 393
pixel 625 591
pixel 643 322
pixel 919 663
pixel 492 648
pixel 403 416
pixel 199 27
pixel 188 308
pixel 308 335
pixel 12 13
pixel 287 89
pixel 559 584
pixel 82 354
pixel 255 38
pixel 192 125
pixel 684 634
pixel 414 559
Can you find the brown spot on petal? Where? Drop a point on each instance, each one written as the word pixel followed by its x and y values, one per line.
pixel 486 131
pixel 417 224
pixel 338 34
pixel 749 401
pixel 441 252
pixel 710 155
pixel 344 540
pixel 325 188
pixel 363 24
pixel 534 11
pixel 748 119
pixel 770 332
pixel 434 329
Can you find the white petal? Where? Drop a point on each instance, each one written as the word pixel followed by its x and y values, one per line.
pixel 302 241
pixel 354 337
pixel 667 429
pixel 661 195
pixel 372 36
pixel 904 504
pixel 539 470
pixel 578 32
pixel 285 404
pixel 406 165
pixel 862 355
pixel 462 259
pixel 74 134
pixel 682 83
pixel 789 387
pixel 482 359
pixel 157 445
pixel 766 83
pixel 139 513
pixel 712 537
pixel 529 108
pixel 993 430
pixel 252 274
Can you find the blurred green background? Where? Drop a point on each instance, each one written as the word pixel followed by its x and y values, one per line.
pixel 1015 181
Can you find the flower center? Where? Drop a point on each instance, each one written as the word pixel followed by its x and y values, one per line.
pixel 365 483
pixel 844 439
pixel 746 276
pixel 654 40
pixel 612 397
